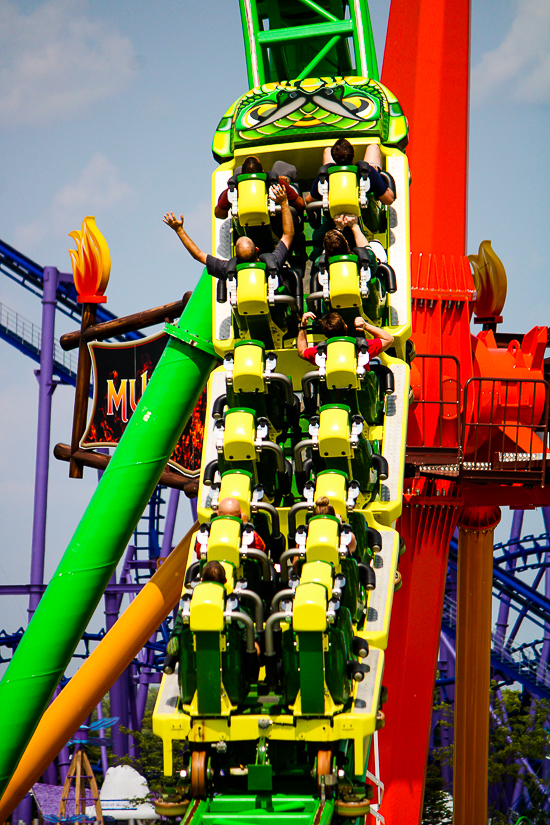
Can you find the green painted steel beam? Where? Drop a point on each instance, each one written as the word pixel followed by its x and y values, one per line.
pixel 105 528
pixel 319 9
pixel 317 59
pixel 288 40
pixel 303 32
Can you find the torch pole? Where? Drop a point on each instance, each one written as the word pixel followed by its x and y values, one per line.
pixel 89 312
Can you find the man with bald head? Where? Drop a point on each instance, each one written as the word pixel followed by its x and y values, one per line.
pixel 229 506
pixel 245 249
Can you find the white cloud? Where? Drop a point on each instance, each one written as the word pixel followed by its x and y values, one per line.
pixel 56 62
pixel 98 187
pixel 522 61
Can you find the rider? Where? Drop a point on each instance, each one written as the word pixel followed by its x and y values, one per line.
pixel 213 571
pixel 229 506
pixel 334 326
pixel 342 154
pixel 251 166
pixel 245 248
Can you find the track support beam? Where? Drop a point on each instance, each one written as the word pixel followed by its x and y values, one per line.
pixel 473 664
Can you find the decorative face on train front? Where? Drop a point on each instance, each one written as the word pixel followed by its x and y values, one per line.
pixel 312 108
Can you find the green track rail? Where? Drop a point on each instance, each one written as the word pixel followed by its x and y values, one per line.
pixel 295 39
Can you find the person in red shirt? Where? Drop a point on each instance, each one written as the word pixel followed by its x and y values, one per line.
pixel 253 166
pixel 230 507
pixel 334 326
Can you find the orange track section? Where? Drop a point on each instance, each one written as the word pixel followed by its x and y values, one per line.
pixel 99 672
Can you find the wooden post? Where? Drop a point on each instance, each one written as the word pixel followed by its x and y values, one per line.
pixel 473 664
pixel 80 770
pixel 89 312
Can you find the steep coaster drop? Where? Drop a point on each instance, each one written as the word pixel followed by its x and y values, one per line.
pixel 277 691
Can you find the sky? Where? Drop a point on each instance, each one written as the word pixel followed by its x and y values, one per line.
pixel 109 109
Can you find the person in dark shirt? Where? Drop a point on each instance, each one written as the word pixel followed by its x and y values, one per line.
pixel 342 154
pixel 252 166
pixel 334 326
pixel 245 248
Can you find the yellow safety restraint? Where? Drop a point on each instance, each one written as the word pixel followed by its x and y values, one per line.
pixel 248 366
pixel 252 289
pixel 343 283
pixel 343 195
pixel 323 539
pixel 238 436
pixel 333 485
pixel 252 203
pixel 207 606
pixel 237 484
pixel 341 364
pixel 334 431
pixel 224 540
pixel 309 613
pixel 320 572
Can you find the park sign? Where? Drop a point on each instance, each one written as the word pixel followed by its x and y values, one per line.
pixel 121 372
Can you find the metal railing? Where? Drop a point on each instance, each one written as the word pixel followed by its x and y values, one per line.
pixel 503 426
pixel 436 411
pixel 31 335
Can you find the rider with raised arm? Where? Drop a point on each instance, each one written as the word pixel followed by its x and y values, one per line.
pixel 334 326
pixel 245 249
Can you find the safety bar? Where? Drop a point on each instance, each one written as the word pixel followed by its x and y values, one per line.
pixel 269 508
pixel 190 572
pixel 218 405
pixel 301 505
pixel 286 299
pixel 288 554
pixel 209 472
pixel 287 593
pixel 380 464
pixel 258 606
pixel 274 619
pixel 389 276
pixel 312 297
pixel 385 376
pixel 374 539
pixel 239 616
pixel 307 380
pixel 390 181
pixel 301 445
pixel 262 558
pixel 298 286
pixel 367 576
pixel 286 382
pixel 278 450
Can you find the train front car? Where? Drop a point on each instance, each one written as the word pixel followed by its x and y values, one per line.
pixel 278 686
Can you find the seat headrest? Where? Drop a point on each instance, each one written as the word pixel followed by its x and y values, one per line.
pixel 287 170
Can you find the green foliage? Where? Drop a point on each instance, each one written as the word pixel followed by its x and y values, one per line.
pixel 149 747
pixel 518 728
pixel 437 810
